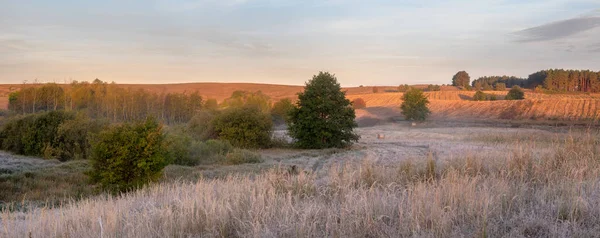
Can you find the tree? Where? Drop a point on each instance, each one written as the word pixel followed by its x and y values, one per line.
pixel 414 105
pixel 500 87
pixel 246 127
pixel 515 93
pixel 249 99
pixel 323 117
pixel 479 96
pixel 359 103
pixel 128 156
pixel 461 79
pixel 281 109
pixel 477 85
pixel 487 87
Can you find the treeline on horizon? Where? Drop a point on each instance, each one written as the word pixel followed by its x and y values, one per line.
pixel 559 80
pixel 107 100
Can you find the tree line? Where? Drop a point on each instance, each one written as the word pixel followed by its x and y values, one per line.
pixel 106 100
pixel 559 80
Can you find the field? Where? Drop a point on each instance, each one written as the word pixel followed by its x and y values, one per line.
pixel 431 180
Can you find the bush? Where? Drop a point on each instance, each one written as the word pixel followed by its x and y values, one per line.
pixel 240 156
pixel 414 105
pixel 359 103
pixel 324 117
pixel 200 127
pixel 375 89
pixel 128 156
pixel 281 109
pixel 72 138
pixel 246 127
pixel 479 96
pixel 33 134
pixel 515 93
pixel 183 150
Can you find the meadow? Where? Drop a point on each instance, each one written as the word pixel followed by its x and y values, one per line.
pixel 432 180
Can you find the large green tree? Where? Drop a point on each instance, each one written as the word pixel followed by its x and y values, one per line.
pixel 461 79
pixel 414 105
pixel 323 117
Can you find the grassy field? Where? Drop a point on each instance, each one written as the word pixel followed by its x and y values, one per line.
pixel 432 180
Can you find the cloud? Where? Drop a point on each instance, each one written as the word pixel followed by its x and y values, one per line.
pixel 559 29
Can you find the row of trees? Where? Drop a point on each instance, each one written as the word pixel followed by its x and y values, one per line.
pixel 103 100
pixel 499 83
pixel 566 80
pixel 559 80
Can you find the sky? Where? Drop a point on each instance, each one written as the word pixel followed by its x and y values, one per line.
pixel 372 42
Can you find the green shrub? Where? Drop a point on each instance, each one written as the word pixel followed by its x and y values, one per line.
pixel 246 127
pixel 200 127
pixel 178 147
pixel 184 150
pixel 324 118
pixel 33 134
pixel 211 151
pixel 241 156
pixel 72 138
pixel 414 105
pixel 128 156
pixel 479 96
pixel 515 93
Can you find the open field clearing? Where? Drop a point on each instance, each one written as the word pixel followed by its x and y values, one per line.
pixel 432 180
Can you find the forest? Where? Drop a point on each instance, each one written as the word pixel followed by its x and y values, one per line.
pixel 558 80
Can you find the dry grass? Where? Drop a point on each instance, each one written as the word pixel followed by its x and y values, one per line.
pixel 526 194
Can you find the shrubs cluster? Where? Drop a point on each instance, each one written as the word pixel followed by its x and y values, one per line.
pixel 481 96
pixel 53 135
pixel 246 127
pixel 128 156
pixel 515 93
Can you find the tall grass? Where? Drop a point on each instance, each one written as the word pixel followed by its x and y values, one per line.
pixel 525 195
